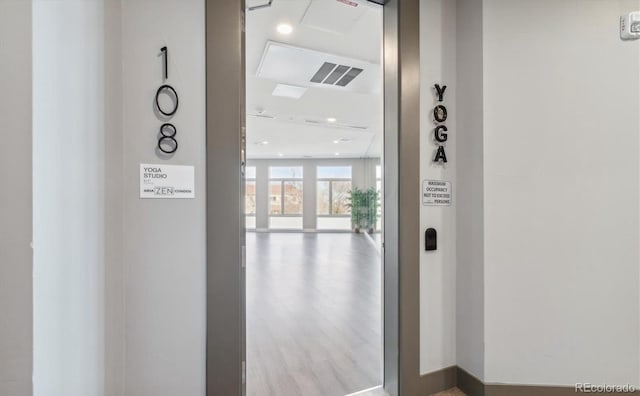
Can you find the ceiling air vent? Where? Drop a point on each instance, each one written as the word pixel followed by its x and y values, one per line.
pixel 349 76
pixel 304 68
pixel 323 72
pixel 332 74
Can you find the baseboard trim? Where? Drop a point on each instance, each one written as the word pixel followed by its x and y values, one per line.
pixel 438 381
pixel 469 384
pixel 541 390
pixel 472 386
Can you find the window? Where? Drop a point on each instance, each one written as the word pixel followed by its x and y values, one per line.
pixel 323 200
pixel 334 172
pixel 285 197
pixel 285 172
pixel 275 198
pixel 333 197
pixel 292 193
pixel 340 197
pixel 250 197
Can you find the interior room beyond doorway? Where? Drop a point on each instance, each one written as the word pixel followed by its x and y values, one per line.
pixel 313 187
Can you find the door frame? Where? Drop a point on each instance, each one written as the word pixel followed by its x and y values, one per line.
pixel 225 114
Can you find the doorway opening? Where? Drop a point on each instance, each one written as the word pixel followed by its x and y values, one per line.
pixel 313 197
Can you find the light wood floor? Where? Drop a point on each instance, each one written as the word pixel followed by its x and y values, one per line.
pixel 381 392
pixel 313 314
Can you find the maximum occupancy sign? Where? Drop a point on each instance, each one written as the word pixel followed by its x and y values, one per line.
pixel 167 142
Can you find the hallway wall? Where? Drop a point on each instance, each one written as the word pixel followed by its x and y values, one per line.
pixel 438 268
pixel 68 204
pixel 561 180
pixel 16 269
pixel 470 214
pixel 454 275
pixel 544 272
pixel 114 274
pixel 163 240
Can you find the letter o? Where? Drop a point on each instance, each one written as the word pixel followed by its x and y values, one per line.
pixel 169 91
pixel 440 113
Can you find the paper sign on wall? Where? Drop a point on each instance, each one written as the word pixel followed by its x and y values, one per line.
pixel 167 181
pixel 436 193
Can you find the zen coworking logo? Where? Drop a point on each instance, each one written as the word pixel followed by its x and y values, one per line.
pixel 167 181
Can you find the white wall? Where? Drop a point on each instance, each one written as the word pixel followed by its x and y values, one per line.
pixel 164 240
pixel 16 275
pixel 114 275
pixel 68 179
pixel 561 179
pixel 555 300
pixel 546 263
pixel 438 268
pixel 470 189
pixel 101 252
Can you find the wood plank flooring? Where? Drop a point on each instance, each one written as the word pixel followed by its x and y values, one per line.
pixel 313 314
pixel 451 392
pixel 379 391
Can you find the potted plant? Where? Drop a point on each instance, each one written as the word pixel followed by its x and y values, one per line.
pixel 364 209
pixel 372 199
pixel 356 203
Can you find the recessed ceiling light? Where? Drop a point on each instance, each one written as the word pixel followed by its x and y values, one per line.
pixel 337 154
pixel 280 155
pixel 336 141
pixel 331 120
pixel 284 28
pixel 342 140
pixel 262 143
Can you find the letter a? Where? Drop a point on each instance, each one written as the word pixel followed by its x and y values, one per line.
pixel 440 155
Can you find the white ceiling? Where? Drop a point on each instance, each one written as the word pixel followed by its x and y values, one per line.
pixel 339 31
